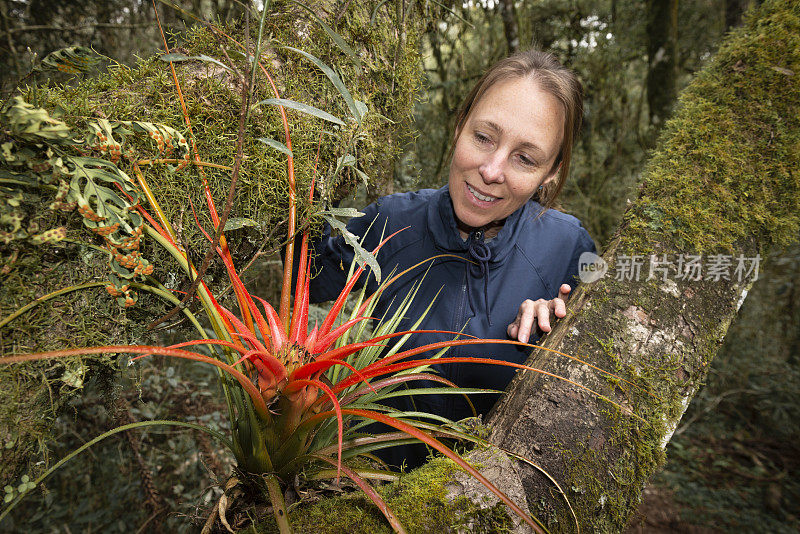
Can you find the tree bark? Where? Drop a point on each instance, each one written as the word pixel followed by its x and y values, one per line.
pixel 721 168
pixel 724 181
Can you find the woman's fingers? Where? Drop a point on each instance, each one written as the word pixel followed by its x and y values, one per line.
pixel 525 316
pixel 513 328
pixel 559 304
pixel 521 327
pixel 539 311
pixel 543 308
pixel 563 292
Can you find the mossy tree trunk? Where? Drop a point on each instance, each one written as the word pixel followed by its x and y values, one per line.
pixel 725 180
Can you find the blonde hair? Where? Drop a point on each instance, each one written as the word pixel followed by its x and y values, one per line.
pixel 552 77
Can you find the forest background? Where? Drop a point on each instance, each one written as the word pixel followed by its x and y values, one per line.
pixel 733 462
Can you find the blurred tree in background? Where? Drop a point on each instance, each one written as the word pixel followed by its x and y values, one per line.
pixel 734 462
pixel 118 29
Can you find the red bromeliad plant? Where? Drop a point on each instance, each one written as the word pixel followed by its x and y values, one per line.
pixel 299 397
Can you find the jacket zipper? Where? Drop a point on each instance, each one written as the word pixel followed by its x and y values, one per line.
pixel 459 323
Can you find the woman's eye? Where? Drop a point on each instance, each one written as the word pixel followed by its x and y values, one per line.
pixel 482 138
pixel 526 161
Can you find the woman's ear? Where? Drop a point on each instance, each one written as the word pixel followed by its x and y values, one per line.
pixel 553 173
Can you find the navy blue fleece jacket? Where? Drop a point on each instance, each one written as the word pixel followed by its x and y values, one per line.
pixel 528 259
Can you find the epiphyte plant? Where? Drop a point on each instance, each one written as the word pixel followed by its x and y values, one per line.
pixel 297 398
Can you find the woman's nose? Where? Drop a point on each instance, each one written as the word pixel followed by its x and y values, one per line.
pixel 492 169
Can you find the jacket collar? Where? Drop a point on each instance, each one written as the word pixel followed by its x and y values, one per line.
pixel 442 227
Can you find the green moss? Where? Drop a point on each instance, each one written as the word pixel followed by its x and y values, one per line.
pixel 727 167
pixel 34 394
pixel 428 485
pixel 419 499
pixel 386 80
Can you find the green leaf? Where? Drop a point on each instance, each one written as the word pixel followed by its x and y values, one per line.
pixel 343 46
pixel 305 108
pixel 208 59
pixel 361 174
pixel 362 255
pixel 277 145
pixel 70 60
pixel 343 212
pixel 151 129
pixel 33 124
pixel 176 57
pixel 362 108
pixel 17 178
pixel 335 80
pixel 74 377
pixel 235 54
pixel 434 391
pixel 234 223
pixel 349 160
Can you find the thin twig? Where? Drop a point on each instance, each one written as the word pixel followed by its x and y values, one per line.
pixel 260 252
pixel 711 405
pixel 47 27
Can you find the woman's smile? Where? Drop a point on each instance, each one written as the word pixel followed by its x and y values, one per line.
pixel 479 196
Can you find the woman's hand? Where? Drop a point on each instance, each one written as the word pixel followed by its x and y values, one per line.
pixel 540 310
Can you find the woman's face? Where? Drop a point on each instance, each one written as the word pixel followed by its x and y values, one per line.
pixel 507 149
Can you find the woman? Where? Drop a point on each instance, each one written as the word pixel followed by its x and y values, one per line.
pixel 510 157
